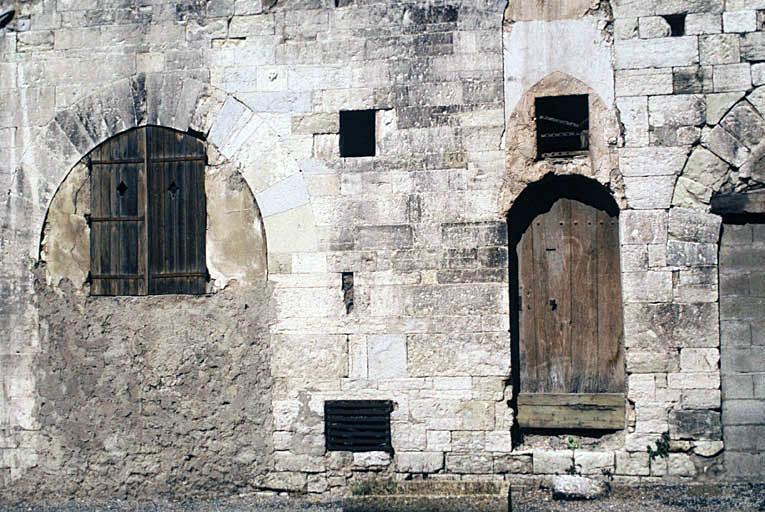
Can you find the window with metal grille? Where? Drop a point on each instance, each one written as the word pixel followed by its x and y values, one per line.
pixel 148 214
pixel 562 125
pixel 358 425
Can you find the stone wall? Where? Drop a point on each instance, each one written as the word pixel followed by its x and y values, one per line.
pixel 741 338
pixel 421 226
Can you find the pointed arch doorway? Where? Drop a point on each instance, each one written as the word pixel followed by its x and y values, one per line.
pixel 567 318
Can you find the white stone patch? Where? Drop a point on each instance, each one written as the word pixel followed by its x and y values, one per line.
pixel 740 21
pixel 656 53
pixel 387 356
pixel 534 49
pixel 283 196
pixel 230 120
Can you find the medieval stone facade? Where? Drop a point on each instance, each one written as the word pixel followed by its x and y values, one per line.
pixel 395 275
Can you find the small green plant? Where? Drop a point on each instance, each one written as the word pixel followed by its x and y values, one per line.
pixel 662 447
pixel 572 443
pixel 373 487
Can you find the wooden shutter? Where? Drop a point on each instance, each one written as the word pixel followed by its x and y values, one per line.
pixel 570 320
pixel 177 213
pixel 117 222
pixel 148 214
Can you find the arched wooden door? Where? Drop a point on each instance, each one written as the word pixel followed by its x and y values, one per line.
pixel 570 320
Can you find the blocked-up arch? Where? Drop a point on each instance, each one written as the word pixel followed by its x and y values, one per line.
pixel 236 137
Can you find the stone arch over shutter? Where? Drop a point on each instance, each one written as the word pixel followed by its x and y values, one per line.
pixel 236 137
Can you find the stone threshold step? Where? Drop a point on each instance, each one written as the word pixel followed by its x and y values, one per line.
pixel 429 496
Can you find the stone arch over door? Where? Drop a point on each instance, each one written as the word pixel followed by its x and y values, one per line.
pixel 566 309
pixel 523 165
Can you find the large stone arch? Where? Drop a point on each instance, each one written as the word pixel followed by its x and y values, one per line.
pixel 236 136
pixel 102 361
pixel 522 165
pixel 729 159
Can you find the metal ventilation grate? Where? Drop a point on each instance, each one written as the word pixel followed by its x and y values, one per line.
pixel 562 125
pixel 358 425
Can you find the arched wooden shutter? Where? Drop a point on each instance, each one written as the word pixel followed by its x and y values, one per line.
pixel 148 214
pixel 570 320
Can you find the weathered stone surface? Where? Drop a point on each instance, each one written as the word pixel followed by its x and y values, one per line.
pixel 676 110
pixel 643 227
pixel 719 104
pixel 740 21
pixel 469 463
pixel 744 123
pixel 701 399
pixel 570 487
pixel 695 425
pixel 652 161
pixel 460 355
pixel 328 356
pixel 732 77
pixel 386 356
pixel 640 82
pixel 676 325
pixel 552 462
pixel 512 464
pixel 691 194
pixel 650 192
pixel 693 226
pixel 707 448
pixel 724 145
pixel 691 254
pixel 705 168
pixel 719 49
pixel 594 463
pixel 632 463
pixel 371 459
pixel 656 53
pixel 419 462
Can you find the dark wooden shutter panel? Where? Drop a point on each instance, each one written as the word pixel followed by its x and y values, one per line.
pixel 358 425
pixel 117 224
pixel 570 317
pixel 154 245
pixel 177 213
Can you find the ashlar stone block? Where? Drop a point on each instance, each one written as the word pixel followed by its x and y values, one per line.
pixel 593 463
pixel 740 21
pixel 676 110
pixel 419 462
pixel 632 463
pixel 552 462
pixel 386 357
pixel 656 53
pixel 732 77
pixel 699 359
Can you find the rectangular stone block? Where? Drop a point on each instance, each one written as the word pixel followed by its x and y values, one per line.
pixel 633 113
pixel 643 82
pixel 594 463
pixel 419 462
pixel 672 325
pixel 643 227
pixel 735 385
pixel 408 437
pixel 314 355
pixel 468 441
pixel 753 46
pixel 499 442
pixel 514 464
pixel 703 23
pixel 386 356
pixel 552 462
pixel 656 53
pixel 652 361
pixel 743 359
pixel 632 463
pixel 698 380
pixel 458 354
pixel 732 77
pixel 382 237
pixel 693 226
pixel 649 192
pixel 439 440
pixel 474 234
pixel 692 79
pixel 474 463
pixel 743 412
pixel 699 424
pixel 749 438
pixel 676 110
pixel 648 286
pixel 744 464
pixel 652 161
pixel 700 399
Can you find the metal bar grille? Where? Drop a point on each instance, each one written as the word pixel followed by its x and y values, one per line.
pixel 358 425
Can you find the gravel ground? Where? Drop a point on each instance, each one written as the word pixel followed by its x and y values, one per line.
pixel 734 497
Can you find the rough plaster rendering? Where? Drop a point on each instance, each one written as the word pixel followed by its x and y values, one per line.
pixel 384 277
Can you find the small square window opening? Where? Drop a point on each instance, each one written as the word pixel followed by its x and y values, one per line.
pixel 562 125
pixel 676 24
pixel 358 425
pixel 357 133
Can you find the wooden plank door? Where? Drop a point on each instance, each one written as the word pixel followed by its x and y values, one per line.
pixel 570 319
